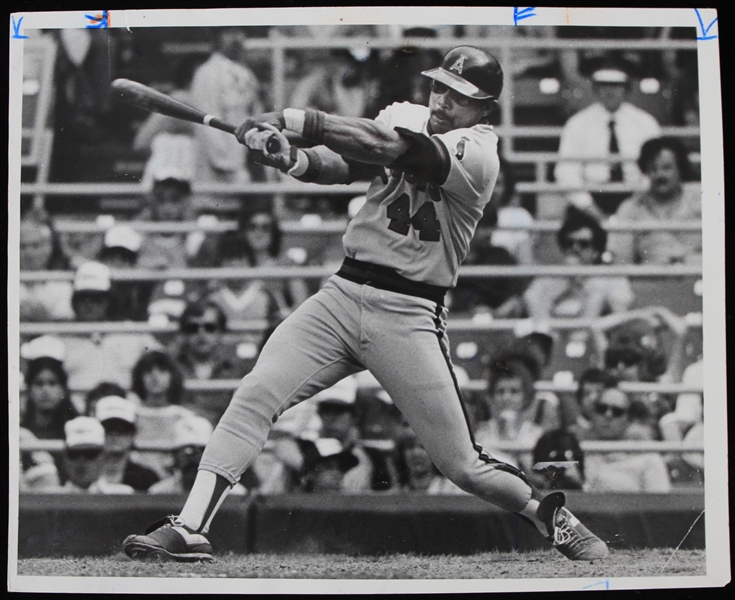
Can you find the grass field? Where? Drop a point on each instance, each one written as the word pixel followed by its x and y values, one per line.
pixel 546 564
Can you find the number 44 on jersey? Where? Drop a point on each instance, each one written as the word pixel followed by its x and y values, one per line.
pixel 424 220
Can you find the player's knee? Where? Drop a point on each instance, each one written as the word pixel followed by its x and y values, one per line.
pixel 253 402
pixel 462 474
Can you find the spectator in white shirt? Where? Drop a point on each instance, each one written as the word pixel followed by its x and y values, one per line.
pixel 600 143
pixel 97 357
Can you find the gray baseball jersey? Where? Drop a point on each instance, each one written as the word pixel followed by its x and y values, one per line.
pixel 383 311
pixel 421 230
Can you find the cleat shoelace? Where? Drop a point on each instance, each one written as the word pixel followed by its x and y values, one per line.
pixel 563 532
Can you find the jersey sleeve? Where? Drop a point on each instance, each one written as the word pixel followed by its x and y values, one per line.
pixel 474 164
pixel 404 114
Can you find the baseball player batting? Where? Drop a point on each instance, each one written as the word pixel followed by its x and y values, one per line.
pixel 383 310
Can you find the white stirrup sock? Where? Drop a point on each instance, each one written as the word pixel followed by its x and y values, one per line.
pixel 530 513
pixel 205 498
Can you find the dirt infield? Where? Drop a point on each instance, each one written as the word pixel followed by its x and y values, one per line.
pixel 547 564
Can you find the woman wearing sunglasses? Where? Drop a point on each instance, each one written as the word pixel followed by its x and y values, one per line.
pixel 582 242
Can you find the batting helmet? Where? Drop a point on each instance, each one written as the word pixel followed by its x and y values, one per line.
pixel 471 72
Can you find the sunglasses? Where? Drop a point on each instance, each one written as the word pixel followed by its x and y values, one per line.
pixel 628 358
pixel 608 409
pixel 259 226
pixel 570 243
pixel 90 454
pixel 438 88
pixel 118 426
pixel 192 328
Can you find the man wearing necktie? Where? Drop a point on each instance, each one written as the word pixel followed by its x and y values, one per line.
pixel 600 143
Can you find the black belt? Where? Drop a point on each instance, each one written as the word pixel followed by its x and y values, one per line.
pixel 385 278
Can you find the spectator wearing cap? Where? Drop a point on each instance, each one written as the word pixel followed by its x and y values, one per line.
pixel 600 143
pixel 97 357
pixel 671 196
pixel 118 417
pixel 128 300
pixel 84 459
pixel 190 438
pixel 169 202
pixel 203 355
pixel 40 250
pixel 98 392
pixel 619 471
pixel 326 467
pixel 336 408
pixel 92 291
pixel 47 405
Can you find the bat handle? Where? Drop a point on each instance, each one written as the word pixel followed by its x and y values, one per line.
pixel 218 123
pixel 273 145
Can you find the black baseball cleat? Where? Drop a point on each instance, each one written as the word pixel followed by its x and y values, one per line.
pixel 566 532
pixel 169 539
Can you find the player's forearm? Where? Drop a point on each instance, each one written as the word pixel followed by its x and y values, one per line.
pixel 361 140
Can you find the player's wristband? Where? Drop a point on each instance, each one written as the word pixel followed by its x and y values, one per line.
pixel 302 163
pixel 314 126
pixel 294 120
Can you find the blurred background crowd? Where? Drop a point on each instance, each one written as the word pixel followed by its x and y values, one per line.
pixel 606 131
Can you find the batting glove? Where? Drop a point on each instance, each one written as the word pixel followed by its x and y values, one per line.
pixel 275 119
pixel 270 147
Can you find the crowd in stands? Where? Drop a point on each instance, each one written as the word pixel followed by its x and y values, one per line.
pixel 132 409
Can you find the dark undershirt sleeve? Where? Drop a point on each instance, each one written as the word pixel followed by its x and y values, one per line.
pixel 427 158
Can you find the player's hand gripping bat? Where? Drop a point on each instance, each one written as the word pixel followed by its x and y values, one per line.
pixel 141 96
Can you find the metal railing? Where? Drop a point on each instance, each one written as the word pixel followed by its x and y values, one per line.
pixel 457 325
pixel 291 186
pixel 320 272
pixel 338 227
pixel 588 446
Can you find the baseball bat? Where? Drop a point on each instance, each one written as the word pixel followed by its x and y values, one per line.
pixel 141 96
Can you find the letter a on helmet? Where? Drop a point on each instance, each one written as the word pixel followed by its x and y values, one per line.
pixel 471 72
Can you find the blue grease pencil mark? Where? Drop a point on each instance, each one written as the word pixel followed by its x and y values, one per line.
pixel 99 21
pixel 526 13
pixel 606 583
pixel 17 35
pixel 705 29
